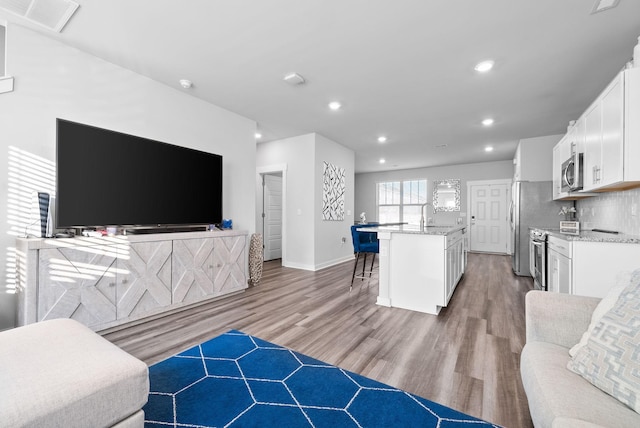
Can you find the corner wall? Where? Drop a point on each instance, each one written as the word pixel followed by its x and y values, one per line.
pixel 53 80
pixel 329 248
pixel 311 243
pixel 297 153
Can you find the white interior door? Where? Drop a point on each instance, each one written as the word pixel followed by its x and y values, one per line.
pixel 272 216
pixel 489 222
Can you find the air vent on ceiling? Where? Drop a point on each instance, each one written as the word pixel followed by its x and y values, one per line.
pixel 52 14
pixel 602 5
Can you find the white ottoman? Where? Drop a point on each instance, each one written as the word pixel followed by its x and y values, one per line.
pixel 59 373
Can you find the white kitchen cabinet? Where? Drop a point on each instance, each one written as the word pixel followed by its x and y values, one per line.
pixel 604 137
pixel 559 265
pixel 455 263
pixel 532 160
pixel 596 265
pixel 612 136
pixel 588 268
pixel 106 282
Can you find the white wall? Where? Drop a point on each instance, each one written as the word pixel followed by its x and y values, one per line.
pixel 311 243
pixel 54 80
pixel 298 154
pixel 329 248
pixel 2 48
pixel 366 184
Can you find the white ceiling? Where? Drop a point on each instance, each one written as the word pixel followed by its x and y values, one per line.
pixel 402 68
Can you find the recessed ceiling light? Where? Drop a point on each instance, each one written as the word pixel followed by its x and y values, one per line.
pixel 484 66
pixel 335 105
pixel 382 160
pixel 487 122
pixel 382 139
pixel 488 149
pixel 258 135
pixel 185 83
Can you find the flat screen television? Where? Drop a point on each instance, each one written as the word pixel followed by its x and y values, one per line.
pixel 107 178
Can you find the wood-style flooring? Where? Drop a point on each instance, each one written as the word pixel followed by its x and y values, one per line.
pixel 467 358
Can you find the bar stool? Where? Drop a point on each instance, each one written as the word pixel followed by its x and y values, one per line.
pixel 363 243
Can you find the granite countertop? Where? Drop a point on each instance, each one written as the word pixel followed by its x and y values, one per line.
pixel 412 229
pixel 591 236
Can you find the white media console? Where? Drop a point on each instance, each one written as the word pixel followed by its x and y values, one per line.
pixel 108 281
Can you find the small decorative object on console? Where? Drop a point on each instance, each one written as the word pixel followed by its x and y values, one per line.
pixel 363 217
pixel 227 223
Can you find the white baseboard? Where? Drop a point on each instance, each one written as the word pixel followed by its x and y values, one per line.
pixel 319 266
pixel 334 262
pixel 382 301
pixel 298 266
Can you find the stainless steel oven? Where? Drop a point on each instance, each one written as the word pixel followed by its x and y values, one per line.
pixel 538 258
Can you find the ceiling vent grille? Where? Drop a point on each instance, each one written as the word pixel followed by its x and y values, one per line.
pixel 51 14
pixel 602 5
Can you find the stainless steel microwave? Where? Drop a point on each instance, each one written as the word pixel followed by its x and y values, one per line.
pixel 572 177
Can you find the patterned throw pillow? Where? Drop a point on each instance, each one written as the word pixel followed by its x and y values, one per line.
pixel 622 281
pixel 611 358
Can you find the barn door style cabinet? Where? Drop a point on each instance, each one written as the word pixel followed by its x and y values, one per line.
pixel 106 282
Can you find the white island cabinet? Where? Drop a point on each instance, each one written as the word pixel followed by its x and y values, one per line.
pixel 419 270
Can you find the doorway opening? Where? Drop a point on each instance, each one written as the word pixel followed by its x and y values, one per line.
pixel 271 207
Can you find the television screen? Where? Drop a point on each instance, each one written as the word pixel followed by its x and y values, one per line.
pixel 110 178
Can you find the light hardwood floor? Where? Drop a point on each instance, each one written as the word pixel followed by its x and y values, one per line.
pixel 467 358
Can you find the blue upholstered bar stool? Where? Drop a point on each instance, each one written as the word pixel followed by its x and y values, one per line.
pixel 364 243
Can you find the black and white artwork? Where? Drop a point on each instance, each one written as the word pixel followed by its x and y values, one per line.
pixel 333 187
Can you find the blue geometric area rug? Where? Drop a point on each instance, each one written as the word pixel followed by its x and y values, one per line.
pixel 237 380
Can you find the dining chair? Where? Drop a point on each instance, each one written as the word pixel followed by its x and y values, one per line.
pixel 364 243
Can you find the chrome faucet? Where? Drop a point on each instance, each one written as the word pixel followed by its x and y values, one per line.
pixel 422 222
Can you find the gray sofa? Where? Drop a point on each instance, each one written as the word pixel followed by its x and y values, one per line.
pixel 59 373
pixel 558 397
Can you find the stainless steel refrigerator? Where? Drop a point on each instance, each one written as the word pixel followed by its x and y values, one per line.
pixel 532 205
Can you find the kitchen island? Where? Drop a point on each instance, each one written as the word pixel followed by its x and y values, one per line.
pixel 419 269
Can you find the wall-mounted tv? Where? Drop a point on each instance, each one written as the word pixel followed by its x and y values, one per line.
pixel 107 178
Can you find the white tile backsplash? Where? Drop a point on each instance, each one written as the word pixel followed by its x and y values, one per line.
pixel 612 211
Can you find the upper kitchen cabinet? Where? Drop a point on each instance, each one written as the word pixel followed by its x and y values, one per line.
pixel 532 160
pixel 612 136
